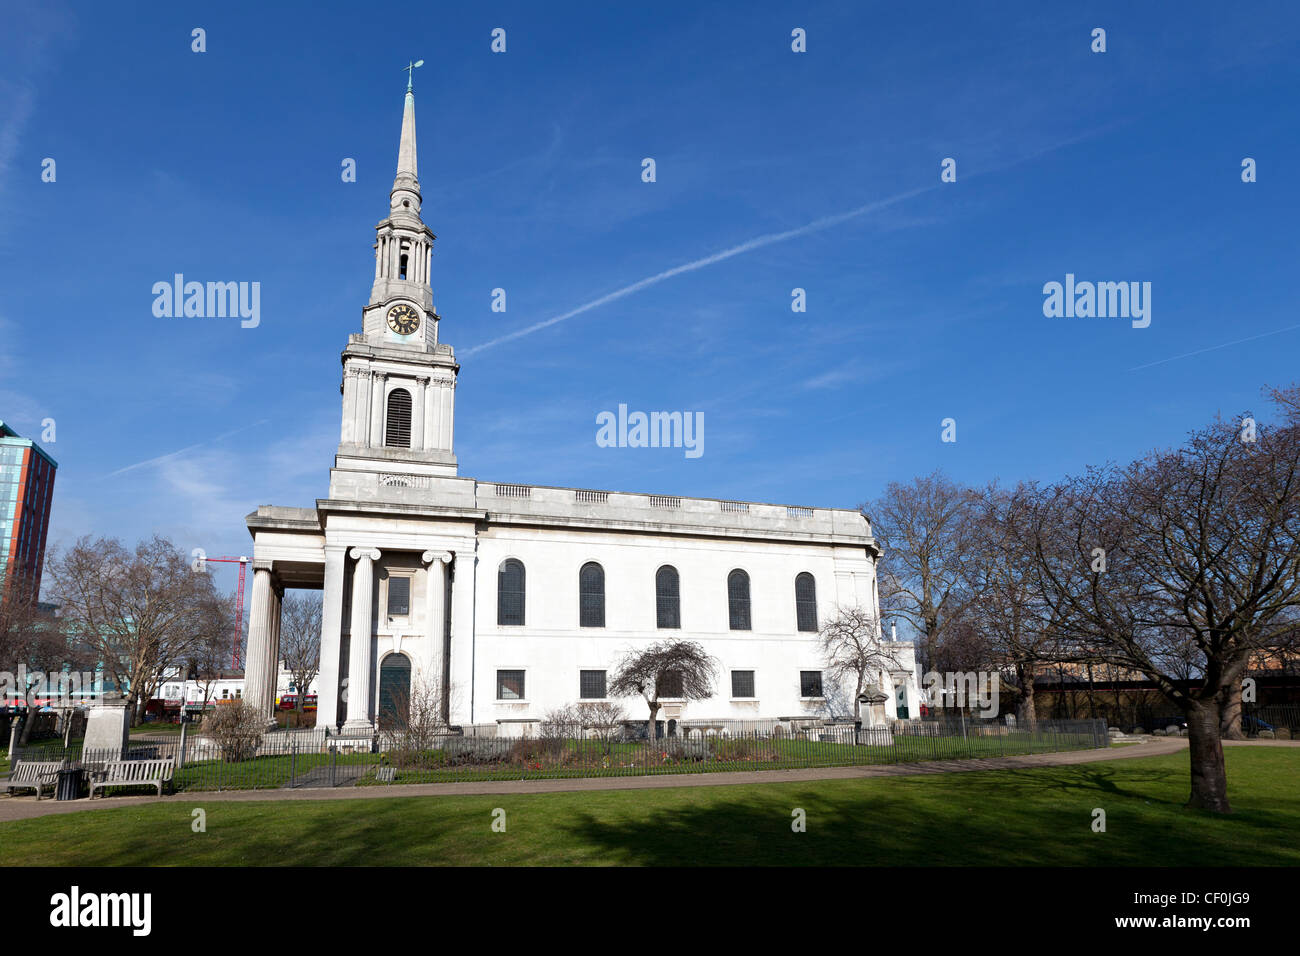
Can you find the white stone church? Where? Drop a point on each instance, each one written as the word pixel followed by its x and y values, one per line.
pixel 508 600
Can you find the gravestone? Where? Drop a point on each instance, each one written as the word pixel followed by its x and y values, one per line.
pixel 107 729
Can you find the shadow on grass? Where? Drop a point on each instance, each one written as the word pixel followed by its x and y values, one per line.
pixel 1016 818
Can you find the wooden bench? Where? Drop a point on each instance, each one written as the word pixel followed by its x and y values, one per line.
pixel 33 775
pixel 132 773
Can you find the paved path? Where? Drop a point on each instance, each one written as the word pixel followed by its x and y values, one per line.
pixel 20 808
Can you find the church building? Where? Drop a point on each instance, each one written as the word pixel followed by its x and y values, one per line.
pixel 503 601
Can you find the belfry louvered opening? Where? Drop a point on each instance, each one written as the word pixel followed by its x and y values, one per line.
pixel 398 432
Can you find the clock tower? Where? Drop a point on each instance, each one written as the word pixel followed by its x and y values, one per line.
pixel 399 382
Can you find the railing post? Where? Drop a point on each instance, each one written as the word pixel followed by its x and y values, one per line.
pixel 293 765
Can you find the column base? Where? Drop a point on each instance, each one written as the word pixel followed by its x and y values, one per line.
pixel 356 727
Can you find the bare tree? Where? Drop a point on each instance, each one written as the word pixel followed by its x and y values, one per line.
pixel 415 721
pixel 300 627
pixel 850 642
pixel 1014 626
pixel 207 658
pixel 924 529
pixel 603 718
pixel 1181 566
pixel 140 612
pixel 673 669
pixel 35 645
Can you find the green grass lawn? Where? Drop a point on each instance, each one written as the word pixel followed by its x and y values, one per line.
pixel 1007 817
pixel 159 727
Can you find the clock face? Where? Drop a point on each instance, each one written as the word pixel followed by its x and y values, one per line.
pixel 403 319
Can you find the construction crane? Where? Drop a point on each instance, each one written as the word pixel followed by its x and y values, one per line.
pixel 239 606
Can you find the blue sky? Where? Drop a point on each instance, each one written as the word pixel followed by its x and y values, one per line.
pixel 225 165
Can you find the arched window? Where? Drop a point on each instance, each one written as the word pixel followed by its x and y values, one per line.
pixel 510 593
pixel 738 599
pixel 668 597
pixel 591 595
pixel 805 601
pixel 398 432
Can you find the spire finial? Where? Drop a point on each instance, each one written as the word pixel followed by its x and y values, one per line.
pixel 410 71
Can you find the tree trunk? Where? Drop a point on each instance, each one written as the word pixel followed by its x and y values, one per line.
pixel 1230 714
pixel 1209 777
pixel 1028 713
pixel 650 724
pixel 29 721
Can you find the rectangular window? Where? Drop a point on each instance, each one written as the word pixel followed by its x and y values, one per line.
pixel 591 685
pixel 742 683
pixel 810 683
pixel 670 685
pixel 510 685
pixel 399 597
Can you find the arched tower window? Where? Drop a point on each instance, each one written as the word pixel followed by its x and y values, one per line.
pixel 401 267
pixel 668 597
pixel 510 593
pixel 591 588
pixel 398 432
pixel 738 599
pixel 805 601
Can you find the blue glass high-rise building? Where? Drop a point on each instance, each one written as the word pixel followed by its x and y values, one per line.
pixel 26 492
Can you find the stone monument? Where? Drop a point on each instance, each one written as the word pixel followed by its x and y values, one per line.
pixel 107 728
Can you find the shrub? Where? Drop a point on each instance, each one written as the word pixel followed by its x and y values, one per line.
pixel 236 728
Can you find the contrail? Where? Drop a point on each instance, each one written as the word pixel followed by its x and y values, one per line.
pixel 817 225
pixel 1213 348
pixel 173 454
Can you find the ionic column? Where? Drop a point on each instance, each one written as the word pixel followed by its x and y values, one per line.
pixel 449 415
pixel 259 639
pixel 376 409
pixel 363 578
pixel 428 264
pixel 431 416
pixel 378 258
pixel 435 589
pixel 361 429
pixel 417 413
pixel 349 418
pixel 273 664
pixel 331 626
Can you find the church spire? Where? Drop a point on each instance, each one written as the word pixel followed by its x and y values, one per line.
pixel 404 250
pixel 406 185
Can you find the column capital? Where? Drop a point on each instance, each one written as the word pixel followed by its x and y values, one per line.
pixel 358 553
pixel 430 556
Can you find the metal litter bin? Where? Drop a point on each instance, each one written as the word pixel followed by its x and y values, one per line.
pixel 69 785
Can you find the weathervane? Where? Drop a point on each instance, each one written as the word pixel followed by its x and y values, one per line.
pixel 410 71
